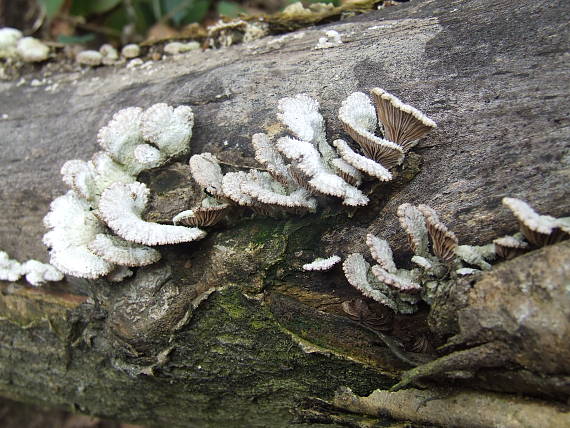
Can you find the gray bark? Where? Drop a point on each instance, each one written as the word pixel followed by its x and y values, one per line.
pixel 492 74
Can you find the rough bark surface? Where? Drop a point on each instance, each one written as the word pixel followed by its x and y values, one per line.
pixel 493 76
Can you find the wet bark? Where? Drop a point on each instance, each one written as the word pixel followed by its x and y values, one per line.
pixel 237 334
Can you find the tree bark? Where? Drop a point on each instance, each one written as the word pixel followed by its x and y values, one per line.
pixel 238 334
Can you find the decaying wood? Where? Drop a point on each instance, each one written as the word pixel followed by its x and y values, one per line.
pixel 238 334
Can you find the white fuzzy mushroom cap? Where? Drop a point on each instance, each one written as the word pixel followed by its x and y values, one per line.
pixel 89 57
pixel 529 217
pixel 231 188
pixel 89 179
pixel 412 221
pixel 118 251
pixel 395 281
pixel 169 128
pixel 122 134
pixel 10 270
pixel 358 112
pixel 358 118
pixel 320 264
pixel 362 163
pixel 322 179
pixel 356 271
pixel 207 172
pixel 267 155
pixel 381 252
pixel 121 207
pixel 38 273
pixel 131 51
pixel 8 41
pixel 73 226
pixel 31 49
pixel 263 188
pixel 301 115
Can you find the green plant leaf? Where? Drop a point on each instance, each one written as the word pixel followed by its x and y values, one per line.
pixel 89 7
pixel 76 39
pixel 195 12
pixel 51 6
pixel 229 9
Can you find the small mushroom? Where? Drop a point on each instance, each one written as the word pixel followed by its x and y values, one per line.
pixel 381 252
pixel 168 128
pixel 444 242
pixel 209 213
pixel 356 270
pixel 538 229
pixel 347 172
pixel 72 227
pixel 398 282
pixel 121 207
pixel 412 221
pixel 321 264
pixel 10 270
pixel 509 247
pixel 359 121
pixel 118 251
pixel 301 115
pixel 268 156
pixel 362 163
pixel 403 124
pixel 207 172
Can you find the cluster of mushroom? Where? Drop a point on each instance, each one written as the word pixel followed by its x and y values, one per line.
pixel 402 289
pixel 97 228
pixel 14 46
pixel 298 169
pixel 535 230
pixel 36 273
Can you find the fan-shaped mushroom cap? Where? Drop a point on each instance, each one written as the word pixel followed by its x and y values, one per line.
pixel 121 136
pixel 231 187
pixel 471 255
pixel 118 251
pixel 444 241
pixel 120 273
pixel 403 124
pixel 73 226
pixel 321 179
pixel 509 247
pixel 263 188
pixel 267 155
pixel 31 49
pixel 358 118
pixel 538 229
pixel 301 115
pixel 38 273
pixel 10 270
pixel 381 252
pixel 412 221
pixel 207 172
pixel 347 172
pixel 8 41
pixel 89 179
pixel 395 281
pixel 362 163
pixel 321 264
pixel 208 213
pixel 356 270
pixel 121 207
pixel 169 128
